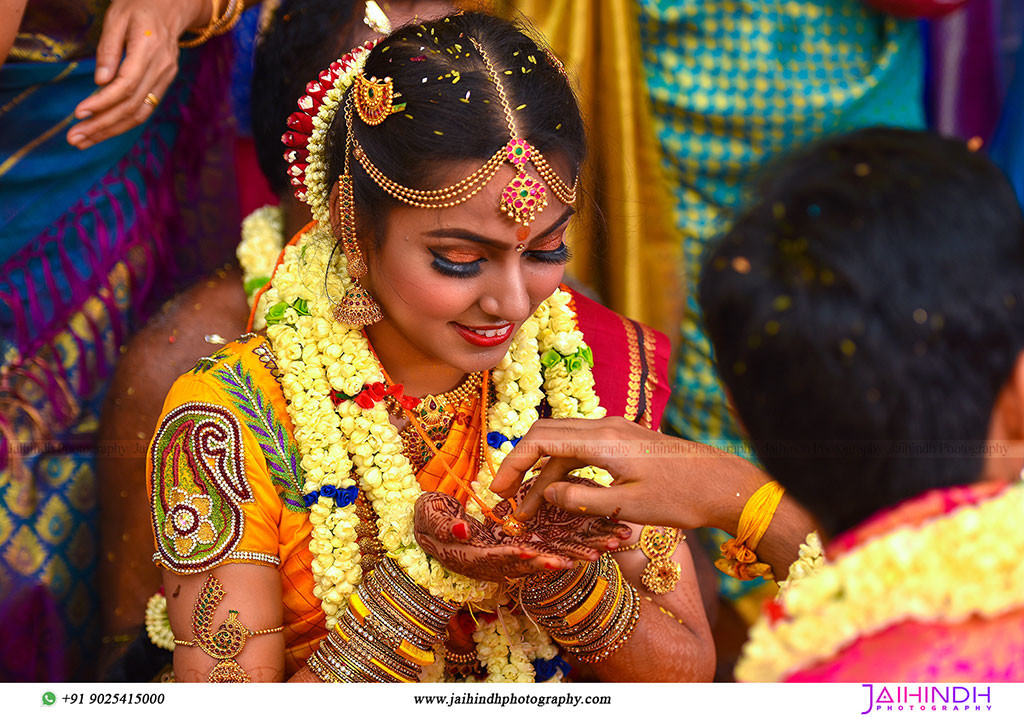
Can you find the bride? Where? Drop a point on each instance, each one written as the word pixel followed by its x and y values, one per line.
pixel 319 493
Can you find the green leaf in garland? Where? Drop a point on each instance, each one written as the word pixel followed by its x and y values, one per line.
pixel 275 314
pixel 587 355
pixel 574 363
pixel 550 358
pixel 339 396
pixel 301 307
pixel 255 284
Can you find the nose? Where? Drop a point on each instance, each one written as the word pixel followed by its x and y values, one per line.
pixel 507 297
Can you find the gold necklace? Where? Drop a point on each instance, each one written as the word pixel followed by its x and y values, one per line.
pixel 435 414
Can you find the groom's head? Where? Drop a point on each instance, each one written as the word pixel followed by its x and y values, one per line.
pixel 867 315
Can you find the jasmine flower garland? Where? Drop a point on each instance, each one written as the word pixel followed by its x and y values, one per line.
pixel 330 445
pixel 318 356
pixel 158 624
pixel 262 238
pixel 953 567
pixel 508 645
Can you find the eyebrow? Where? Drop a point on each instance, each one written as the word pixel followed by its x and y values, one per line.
pixel 455 233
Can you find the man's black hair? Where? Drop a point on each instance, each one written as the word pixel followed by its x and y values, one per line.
pixel 865 311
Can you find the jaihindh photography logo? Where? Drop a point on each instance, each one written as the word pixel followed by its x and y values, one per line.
pixel 926 698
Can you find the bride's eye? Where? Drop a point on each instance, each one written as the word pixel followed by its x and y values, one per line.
pixel 559 255
pixel 449 267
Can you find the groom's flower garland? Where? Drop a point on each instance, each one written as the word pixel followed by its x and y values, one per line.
pixel 948 569
pixel 320 358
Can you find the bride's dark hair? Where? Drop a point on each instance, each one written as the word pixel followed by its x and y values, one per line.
pixel 453 111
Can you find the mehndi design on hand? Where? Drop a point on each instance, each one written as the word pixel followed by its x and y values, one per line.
pixel 553 539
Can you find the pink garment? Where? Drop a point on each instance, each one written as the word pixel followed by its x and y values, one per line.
pixel 978 650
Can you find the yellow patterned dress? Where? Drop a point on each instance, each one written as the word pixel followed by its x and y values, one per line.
pixel 733 84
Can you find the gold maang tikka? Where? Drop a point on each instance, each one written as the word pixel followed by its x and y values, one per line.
pixel 357 307
pixel 521 199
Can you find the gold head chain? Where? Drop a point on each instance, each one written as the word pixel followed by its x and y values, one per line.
pixel 521 199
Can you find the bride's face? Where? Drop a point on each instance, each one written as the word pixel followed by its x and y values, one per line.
pixel 455 284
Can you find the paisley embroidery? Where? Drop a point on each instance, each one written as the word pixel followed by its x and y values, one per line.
pixel 279 449
pixel 199 482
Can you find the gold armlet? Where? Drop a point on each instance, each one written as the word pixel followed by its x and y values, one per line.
pixel 662 573
pixel 227 641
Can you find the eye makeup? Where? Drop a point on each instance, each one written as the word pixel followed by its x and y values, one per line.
pixel 559 255
pixel 446 266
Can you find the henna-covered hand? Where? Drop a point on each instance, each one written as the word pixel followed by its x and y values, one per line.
pixel 552 540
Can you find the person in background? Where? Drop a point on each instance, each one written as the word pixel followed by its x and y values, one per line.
pixel 112 160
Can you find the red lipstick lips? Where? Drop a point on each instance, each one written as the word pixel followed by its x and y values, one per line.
pixel 485 336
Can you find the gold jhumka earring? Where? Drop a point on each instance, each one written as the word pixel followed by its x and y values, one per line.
pixel 357 307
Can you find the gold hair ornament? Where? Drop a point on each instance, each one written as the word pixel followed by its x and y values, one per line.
pixel 521 199
pixel 375 99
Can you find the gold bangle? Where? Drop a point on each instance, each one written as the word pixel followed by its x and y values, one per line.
pixel 217 25
pixel 205 33
pixel 589 605
pixel 319 668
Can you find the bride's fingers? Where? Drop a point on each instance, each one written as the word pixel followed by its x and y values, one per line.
pixel 604 527
pixel 441 516
pixel 599 540
pixel 511 560
pixel 575 550
pixel 546 561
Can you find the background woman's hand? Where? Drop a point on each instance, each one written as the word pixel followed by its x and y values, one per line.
pixel 146 32
pixel 553 539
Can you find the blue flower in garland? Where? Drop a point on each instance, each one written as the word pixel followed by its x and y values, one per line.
pixel 496 440
pixel 546 669
pixel 343 497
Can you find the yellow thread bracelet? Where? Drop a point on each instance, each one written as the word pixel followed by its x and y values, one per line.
pixel 738 556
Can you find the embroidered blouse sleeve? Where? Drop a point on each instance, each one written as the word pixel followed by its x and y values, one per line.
pixel 212 497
